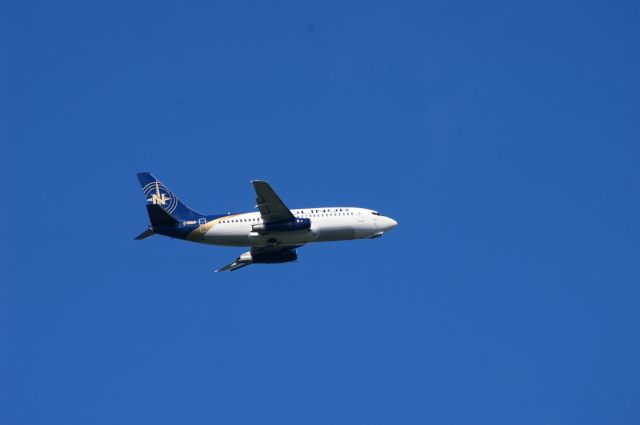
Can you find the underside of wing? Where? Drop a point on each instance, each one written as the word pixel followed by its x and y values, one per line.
pixel 263 255
pixel 273 251
pixel 233 266
pixel 271 207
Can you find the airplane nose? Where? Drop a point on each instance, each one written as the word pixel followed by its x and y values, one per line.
pixel 388 224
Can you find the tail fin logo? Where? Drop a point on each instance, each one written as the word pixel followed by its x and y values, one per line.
pixel 161 199
pixel 157 194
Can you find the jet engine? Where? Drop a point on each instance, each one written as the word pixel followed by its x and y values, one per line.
pixel 268 257
pixel 285 226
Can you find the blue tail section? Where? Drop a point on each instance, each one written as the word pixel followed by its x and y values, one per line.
pixel 159 195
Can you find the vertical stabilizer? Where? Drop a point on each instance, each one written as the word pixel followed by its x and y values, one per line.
pixel 158 194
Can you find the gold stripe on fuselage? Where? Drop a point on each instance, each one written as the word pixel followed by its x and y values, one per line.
pixel 197 235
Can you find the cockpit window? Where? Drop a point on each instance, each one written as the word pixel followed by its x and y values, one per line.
pixel 375 213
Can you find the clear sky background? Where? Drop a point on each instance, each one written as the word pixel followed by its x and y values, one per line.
pixel 503 136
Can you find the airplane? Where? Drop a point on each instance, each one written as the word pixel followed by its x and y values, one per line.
pixel 273 233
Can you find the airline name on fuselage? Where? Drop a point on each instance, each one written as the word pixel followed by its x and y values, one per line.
pixel 311 211
pixel 320 210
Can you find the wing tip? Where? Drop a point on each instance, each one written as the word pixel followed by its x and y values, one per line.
pixel 231 267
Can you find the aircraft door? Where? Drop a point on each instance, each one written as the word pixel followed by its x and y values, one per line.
pixel 201 223
pixel 360 216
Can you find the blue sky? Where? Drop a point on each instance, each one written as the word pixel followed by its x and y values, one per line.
pixel 503 136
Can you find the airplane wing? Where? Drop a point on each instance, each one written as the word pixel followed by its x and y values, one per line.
pixel 272 210
pixel 271 207
pixel 232 267
pixel 266 254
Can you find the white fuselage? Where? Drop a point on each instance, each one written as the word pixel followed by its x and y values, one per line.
pixel 327 224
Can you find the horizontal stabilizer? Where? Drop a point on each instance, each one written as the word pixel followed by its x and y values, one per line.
pixel 144 235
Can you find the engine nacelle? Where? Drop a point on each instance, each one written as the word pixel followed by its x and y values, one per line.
pixel 287 226
pixel 268 257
